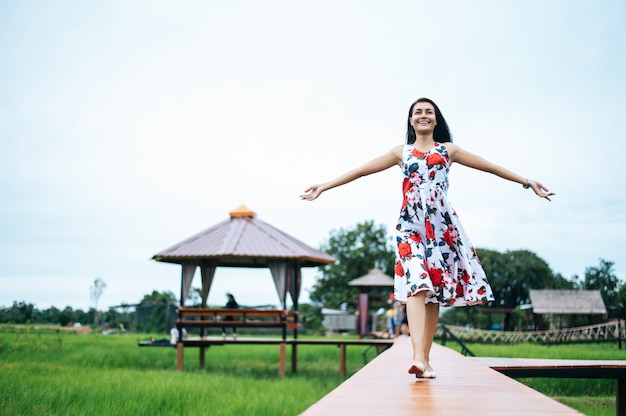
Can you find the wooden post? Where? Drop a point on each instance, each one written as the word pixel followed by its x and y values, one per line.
pixel 179 356
pixel 282 359
pixel 201 358
pixel 294 358
pixel 342 360
pixel 620 397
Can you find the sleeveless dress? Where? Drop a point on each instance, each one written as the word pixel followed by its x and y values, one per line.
pixel 433 252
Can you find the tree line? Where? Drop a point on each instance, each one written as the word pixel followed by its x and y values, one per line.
pixel 155 313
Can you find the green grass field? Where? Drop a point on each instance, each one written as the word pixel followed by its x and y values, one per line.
pixel 57 373
pixel 50 373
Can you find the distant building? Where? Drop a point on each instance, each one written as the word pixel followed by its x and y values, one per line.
pixel 338 321
pixel 556 309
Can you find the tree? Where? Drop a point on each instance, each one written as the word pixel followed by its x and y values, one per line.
pixel 19 313
pixel 96 291
pixel 156 312
pixel 512 274
pixel 357 251
pixel 603 278
pixel 310 316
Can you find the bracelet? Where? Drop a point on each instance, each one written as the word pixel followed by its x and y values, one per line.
pixel 527 184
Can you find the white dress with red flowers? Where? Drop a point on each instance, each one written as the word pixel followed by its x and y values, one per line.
pixel 433 252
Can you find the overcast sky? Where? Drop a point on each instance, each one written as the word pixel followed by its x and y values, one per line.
pixel 128 126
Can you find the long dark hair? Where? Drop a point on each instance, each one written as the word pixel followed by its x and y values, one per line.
pixel 441 134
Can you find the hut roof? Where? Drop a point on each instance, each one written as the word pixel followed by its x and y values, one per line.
pixel 567 302
pixel 375 277
pixel 243 241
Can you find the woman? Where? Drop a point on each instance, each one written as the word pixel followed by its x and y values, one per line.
pixel 230 304
pixel 436 263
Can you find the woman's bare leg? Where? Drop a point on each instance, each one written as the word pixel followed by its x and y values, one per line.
pixel 416 316
pixel 432 318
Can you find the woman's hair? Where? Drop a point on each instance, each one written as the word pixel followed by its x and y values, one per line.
pixel 441 134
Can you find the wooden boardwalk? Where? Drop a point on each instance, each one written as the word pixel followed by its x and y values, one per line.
pixel 462 387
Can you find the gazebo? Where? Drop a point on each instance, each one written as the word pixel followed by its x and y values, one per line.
pixel 243 241
pixel 375 278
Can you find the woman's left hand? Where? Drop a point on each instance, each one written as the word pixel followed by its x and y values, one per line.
pixel 541 190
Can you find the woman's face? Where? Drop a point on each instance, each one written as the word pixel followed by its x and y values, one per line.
pixel 423 118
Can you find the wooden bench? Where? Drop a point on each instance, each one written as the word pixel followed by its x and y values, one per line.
pixel 240 318
pixel 556 368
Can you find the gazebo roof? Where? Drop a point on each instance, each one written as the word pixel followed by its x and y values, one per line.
pixel 567 302
pixel 375 277
pixel 243 241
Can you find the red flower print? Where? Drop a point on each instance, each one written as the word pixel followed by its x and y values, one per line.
pixel 466 277
pixel 406 185
pixel 431 175
pixel 404 250
pixel 416 237
pixel 430 233
pixel 482 290
pixel 417 153
pixel 434 159
pixel 436 276
pixel 399 270
pixel 448 238
pixel 459 290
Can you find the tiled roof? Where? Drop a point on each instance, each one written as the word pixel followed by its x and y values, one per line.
pixel 243 241
pixel 567 302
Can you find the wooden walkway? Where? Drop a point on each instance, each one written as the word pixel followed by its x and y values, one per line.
pixel 462 387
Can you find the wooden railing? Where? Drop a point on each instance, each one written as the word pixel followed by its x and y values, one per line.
pixel 240 318
pixel 606 332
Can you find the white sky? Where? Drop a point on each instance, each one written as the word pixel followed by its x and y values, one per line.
pixel 128 126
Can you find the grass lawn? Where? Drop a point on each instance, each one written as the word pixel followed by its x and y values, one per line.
pixel 59 373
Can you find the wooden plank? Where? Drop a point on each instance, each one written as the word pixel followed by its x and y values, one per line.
pixel 558 368
pixel 539 363
pixel 239 313
pixel 226 323
pixel 462 387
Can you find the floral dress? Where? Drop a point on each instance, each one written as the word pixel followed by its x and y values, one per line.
pixel 433 252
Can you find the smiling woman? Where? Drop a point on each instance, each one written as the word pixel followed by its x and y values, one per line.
pixel 436 262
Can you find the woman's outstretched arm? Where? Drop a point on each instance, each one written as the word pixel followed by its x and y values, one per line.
pixel 382 162
pixel 471 160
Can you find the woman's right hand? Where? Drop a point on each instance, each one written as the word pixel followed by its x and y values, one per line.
pixel 312 192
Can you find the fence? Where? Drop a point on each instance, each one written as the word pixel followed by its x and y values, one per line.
pixel 612 331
